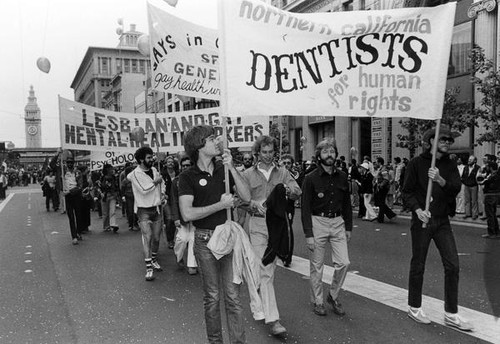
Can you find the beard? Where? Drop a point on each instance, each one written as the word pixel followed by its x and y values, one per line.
pixel 329 161
pixel 148 164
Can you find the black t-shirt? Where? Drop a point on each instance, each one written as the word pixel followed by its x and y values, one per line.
pixel 206 190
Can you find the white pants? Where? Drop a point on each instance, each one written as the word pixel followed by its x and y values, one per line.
pixel 370 212
pixel 183 238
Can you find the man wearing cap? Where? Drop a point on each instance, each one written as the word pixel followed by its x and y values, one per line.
pixel 446 185
pixel 327 218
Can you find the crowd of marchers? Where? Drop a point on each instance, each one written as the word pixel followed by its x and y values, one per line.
pixel 186 197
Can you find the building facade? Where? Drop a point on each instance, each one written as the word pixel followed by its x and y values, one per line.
pixel 32 122
pixel 110 78
pixel 476 22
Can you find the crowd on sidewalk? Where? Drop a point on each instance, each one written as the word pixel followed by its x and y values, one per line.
pixel 185 196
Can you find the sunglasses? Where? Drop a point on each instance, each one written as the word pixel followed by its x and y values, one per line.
pixel 446 139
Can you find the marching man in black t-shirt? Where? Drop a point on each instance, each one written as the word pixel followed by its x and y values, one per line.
pixel 203 200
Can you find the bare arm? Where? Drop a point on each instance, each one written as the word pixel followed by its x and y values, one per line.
pixel 190 213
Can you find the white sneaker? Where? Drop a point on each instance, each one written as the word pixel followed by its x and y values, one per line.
pixel 418 315
pixel 149 275
pixel 456 321
pixel 156 265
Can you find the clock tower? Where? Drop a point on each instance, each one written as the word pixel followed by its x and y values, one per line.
pixel 33 122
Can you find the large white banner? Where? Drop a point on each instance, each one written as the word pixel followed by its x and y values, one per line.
pixel 390 63
pixel 184 56
pixel 88 128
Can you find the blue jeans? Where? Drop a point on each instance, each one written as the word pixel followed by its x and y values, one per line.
pixel 217 278
pixel 439 230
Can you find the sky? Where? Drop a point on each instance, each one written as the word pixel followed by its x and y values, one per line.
pixel 62 30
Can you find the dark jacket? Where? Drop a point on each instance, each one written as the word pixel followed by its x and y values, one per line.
pixel 492 184
pixel 470 179
pixel 366 186
pixel 278 226
pixel 443 200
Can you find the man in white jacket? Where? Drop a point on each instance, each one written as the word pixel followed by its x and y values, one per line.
pixel 149 193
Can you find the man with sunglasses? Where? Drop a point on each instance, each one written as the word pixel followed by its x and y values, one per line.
pixel 446 186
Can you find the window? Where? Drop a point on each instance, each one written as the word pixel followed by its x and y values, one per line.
pixel 177 106
pixel 347 6
pixel 461 43
pixel 127 65
pixel 118 65
pixel 142 67
pixel 134 66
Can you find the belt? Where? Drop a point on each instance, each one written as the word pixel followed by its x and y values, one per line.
pixel 258 215
pixel 329 215
pixel 204 234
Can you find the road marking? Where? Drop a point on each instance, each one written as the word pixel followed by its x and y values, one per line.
pixel 486 326
pixel 5 201
pixel 27 253
pixel 29 206
pixel 27 261
pixel 28 271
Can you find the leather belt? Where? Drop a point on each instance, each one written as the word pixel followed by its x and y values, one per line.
pixel 329 215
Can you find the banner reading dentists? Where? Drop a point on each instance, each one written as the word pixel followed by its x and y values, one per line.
pixel 88 128
pixel 184 56
pixel 390 63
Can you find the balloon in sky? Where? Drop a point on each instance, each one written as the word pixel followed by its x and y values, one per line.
pixel 143 45
pixel 43 64
pixel 171 2
pixel 137 134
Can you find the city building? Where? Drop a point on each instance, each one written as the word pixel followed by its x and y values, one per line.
pixel 475 23
pixel 110 78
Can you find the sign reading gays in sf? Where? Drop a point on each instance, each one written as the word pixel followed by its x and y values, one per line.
pixel 390 63
pixel 184 55
pixel 88 128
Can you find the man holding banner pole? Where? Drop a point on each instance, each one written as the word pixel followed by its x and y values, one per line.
pixel 437 184
pixel 149 194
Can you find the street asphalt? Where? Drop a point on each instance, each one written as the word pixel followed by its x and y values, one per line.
pixel 95 292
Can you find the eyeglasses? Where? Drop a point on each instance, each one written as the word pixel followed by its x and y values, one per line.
pixel 446 140
pixel 186 165
pixel 287 162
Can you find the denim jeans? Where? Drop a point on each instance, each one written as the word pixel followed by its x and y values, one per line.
pixel 217 279
pixel 490 208
pixel 150 223
pixel 439 230
pixel 109 212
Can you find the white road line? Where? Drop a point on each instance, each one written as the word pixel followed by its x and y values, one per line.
pixel 5 201
pixel 487 327
pixel 29 206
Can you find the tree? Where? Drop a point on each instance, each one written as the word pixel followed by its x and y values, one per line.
pixel 486 80
pixel 274 131
pixel 457 115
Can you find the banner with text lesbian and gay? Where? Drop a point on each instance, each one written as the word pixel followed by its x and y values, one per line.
pixel 184 55
pixel 88 128
pixel 390 63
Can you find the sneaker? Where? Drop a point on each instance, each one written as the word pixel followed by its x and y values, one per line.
pixel 277 329
pixel 115 229
pixel 192 271
pixel 75 241
pixel 149 275
pixel 180 264
pixel 418 315
pixel 336 305
pixel 171 245
pixel 156 265
pixel 456 321
pixel 319 309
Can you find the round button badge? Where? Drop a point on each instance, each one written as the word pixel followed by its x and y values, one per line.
pixel 321 195
pixel 203 182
